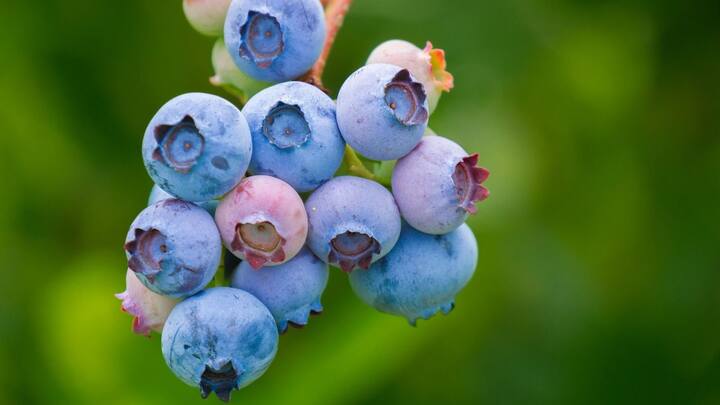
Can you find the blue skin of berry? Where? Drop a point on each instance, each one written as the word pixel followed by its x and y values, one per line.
pixel 366 119
pixel 291 291
pixel 275 40
pixel 295 135
pixel 351 204
pixel 421 275
pixel 180 250
pixel 158 194
pixel 216 328
pixel 423 186
pixel 197 147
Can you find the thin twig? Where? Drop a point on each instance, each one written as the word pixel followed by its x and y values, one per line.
pixel 335 11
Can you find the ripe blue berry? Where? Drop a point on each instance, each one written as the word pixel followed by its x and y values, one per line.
pixel 173 247
pixel 437 185
pixel 158 194
pixel 206 16
pixel 291 291
pixel 421 275
pixel 295 135
pixel 382 111
pixel 353 222
pixel 197 147
pixel 275 40
pixel 219 340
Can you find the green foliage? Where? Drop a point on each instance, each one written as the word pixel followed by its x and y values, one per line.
pixel 598 279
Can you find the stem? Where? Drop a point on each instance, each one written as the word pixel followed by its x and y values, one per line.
pixel 355 166
pixel 335 11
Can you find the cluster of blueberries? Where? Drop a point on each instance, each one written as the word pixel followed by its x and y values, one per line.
pixel 263 183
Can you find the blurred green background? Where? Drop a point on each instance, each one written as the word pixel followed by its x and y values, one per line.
pixel 599 274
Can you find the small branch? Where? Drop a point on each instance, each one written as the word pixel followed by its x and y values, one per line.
pixel 335 11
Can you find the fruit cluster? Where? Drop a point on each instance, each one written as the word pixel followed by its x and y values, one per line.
pixel 280 186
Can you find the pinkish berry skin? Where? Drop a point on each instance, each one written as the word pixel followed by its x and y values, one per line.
pixel 149 310
pixel 206 16
pixel 262 221
pixel 426 65
pixel 437 185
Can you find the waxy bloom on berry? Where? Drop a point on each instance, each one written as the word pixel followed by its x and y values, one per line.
pixel 437 185
pixel 219 340
pixel 421 275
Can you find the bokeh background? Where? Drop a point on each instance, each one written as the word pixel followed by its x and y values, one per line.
pixel 599 272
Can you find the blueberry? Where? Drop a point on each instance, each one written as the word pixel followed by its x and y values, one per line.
pixel 219 340
pixel 173 247
pixel 421 275
pixel 206 16
pixel 262 221
pixel 437 184
pixel 353 222
pixel 291 291
pixel 426 65
pixel 275 40
pixel 197 147
pixel 149 310
pixel 382 111
pixel 295 135
pixel 158 194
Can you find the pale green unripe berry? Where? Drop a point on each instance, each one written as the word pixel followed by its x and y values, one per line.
pixel 229 77
pixel 206 16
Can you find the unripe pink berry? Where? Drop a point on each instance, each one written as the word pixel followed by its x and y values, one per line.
pixel 150 310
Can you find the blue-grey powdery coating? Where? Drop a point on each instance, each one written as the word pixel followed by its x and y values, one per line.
pixel 295 135
pixel 174 248
pixel 437 185
pixel 421 275
pixel 291 291
pixel 352 222
pixel 158 194
pixel 275 40
pixel 219 340
pixel 382 111
pixel 197 147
